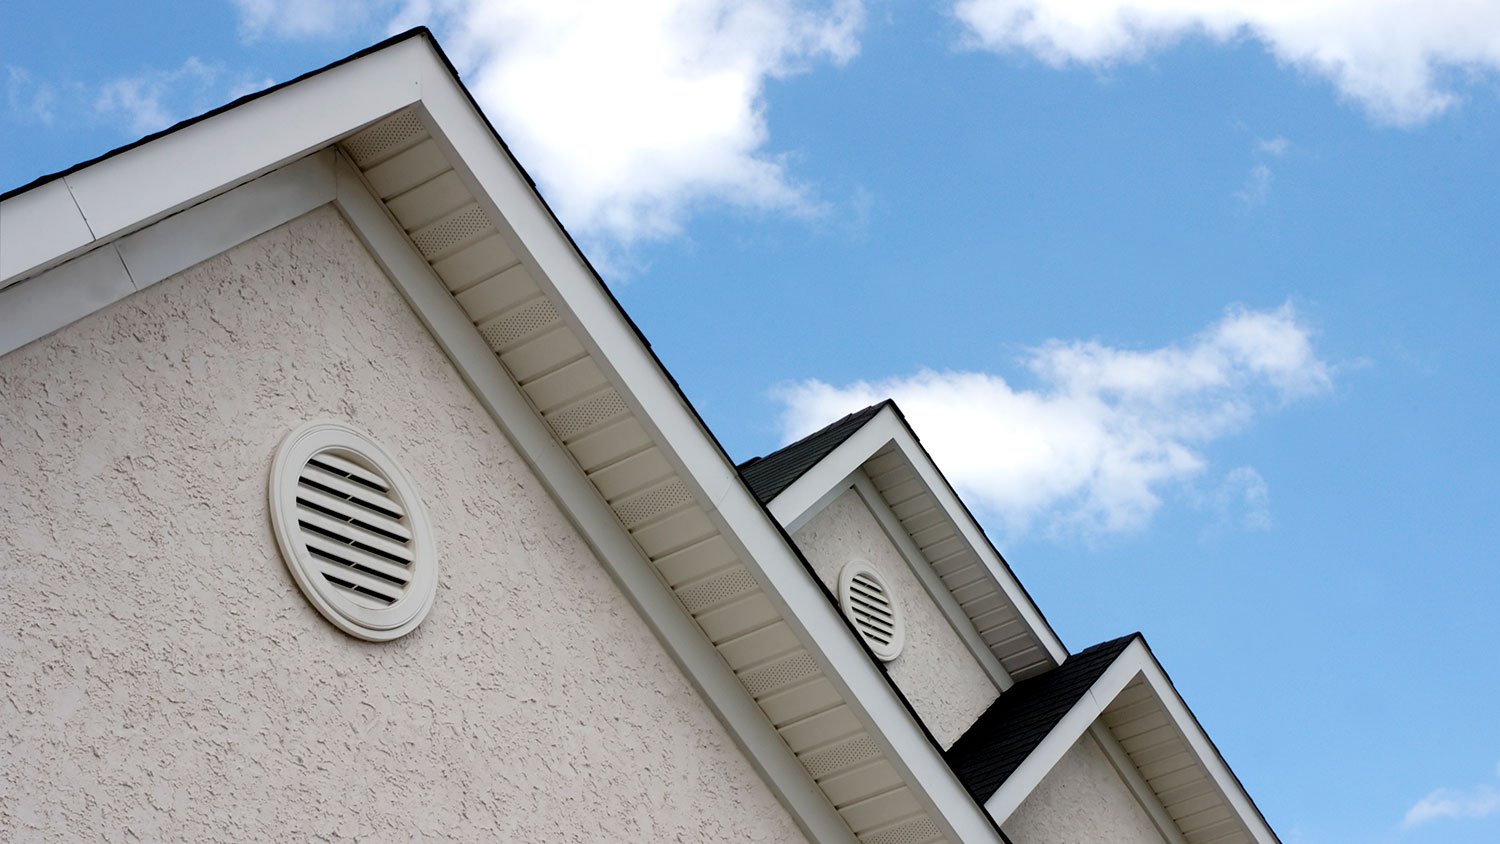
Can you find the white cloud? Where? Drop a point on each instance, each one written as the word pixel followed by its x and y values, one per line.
pixel 631 115
pixel 142 100
pixel 307 18
pixel 28 100
pixel 1104 431
pixel 1242 499
pixel 1257 187
pixel 1476 803
pixel 1276 146
pixel 1396 57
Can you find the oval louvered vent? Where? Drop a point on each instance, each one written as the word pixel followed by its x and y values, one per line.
pixel 352 531
pixel 872 608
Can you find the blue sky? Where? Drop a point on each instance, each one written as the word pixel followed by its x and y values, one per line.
pixel 1196 302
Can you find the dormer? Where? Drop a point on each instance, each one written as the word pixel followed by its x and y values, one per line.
pixel 1091 746
pixel 863 491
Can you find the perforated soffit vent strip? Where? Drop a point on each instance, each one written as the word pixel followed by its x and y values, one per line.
pixel 476 261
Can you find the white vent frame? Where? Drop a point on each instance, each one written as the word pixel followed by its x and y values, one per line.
pixel 861 588
pixel 363 617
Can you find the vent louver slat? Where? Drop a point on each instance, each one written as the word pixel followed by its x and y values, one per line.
pixel 352 534
pixel 351 511
pixel 350 557
pixel 342 485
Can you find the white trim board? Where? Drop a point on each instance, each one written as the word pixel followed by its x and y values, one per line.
pixel 44 303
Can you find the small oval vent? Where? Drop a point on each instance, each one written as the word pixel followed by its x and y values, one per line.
pixel 870 606
pixel 352 531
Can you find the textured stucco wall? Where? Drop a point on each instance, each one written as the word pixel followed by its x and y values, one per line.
pixel 1082 800
pixel 935 671
pixel 161 678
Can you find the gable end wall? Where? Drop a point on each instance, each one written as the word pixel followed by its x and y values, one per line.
pixel 1080 801
pixel 164 675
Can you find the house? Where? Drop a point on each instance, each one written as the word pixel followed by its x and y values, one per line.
pixel 339 499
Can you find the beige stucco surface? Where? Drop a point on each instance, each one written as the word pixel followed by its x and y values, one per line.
pixel 1082 800
pixel 935 671
pixel 161 678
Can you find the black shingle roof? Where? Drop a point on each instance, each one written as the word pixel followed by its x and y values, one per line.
pixel 768 476
pixel 992 748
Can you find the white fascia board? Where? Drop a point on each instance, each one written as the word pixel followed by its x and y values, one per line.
pixel 1135 661
pixel 70 291
pixel 798 503
pixel 582 504
pixel 544 248
pixel 134 188
pixel 38 225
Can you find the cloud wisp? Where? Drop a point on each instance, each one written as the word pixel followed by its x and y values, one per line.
pixel 142 101
pixel 1397 58
pixel 27 100
pixel 1257 187
pixel 308 18
pixel 1090 448
pixel 1477 803
pixel 634 115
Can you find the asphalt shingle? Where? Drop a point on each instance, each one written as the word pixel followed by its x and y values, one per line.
pixel 768 476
